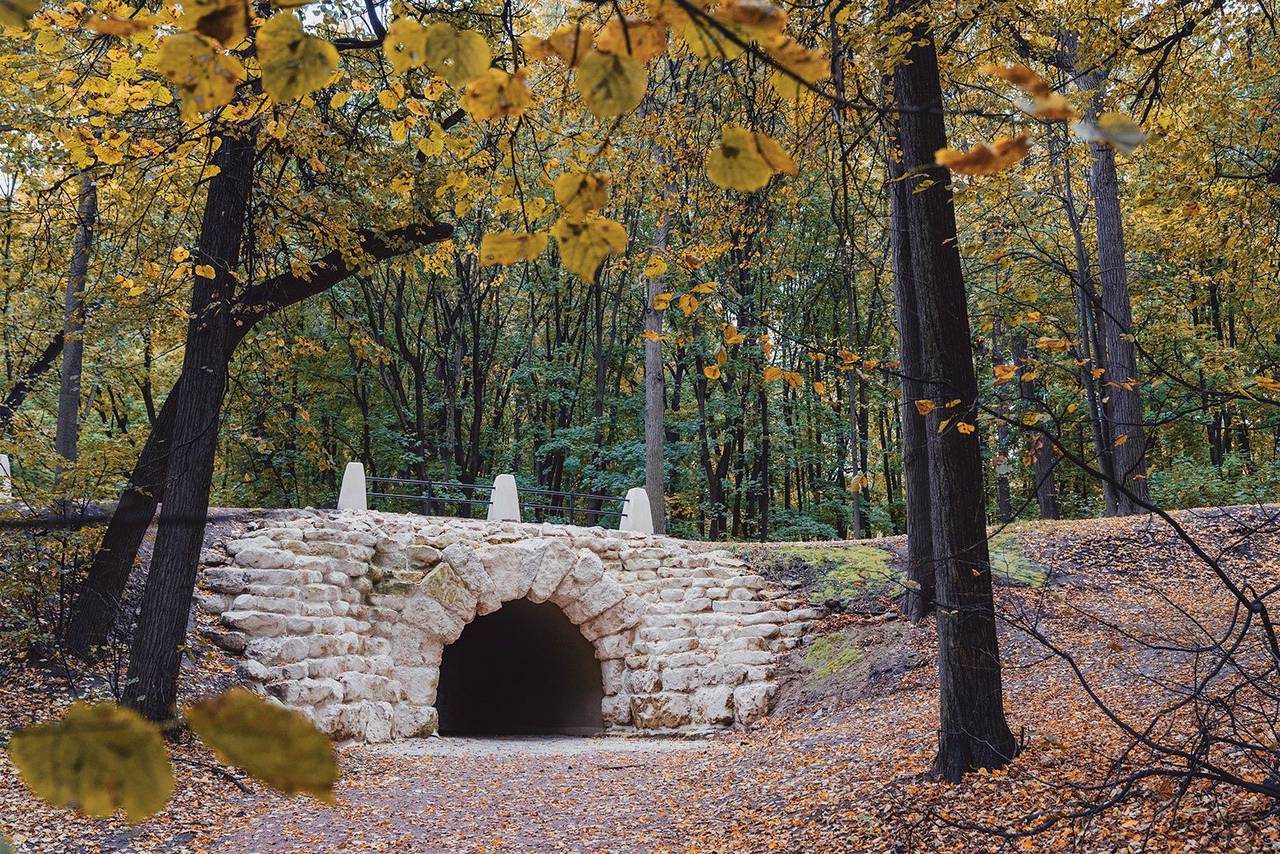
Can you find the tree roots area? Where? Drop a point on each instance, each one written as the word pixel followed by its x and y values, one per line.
pixel 841 765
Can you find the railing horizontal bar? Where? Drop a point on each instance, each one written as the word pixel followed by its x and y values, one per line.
pixel 444 484
pixel 433 498
pixel 528 490
pixel 574 512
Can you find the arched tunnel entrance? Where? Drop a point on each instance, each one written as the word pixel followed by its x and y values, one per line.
pixel 525 669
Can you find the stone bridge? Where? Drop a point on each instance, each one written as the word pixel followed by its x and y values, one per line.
pixel 382 626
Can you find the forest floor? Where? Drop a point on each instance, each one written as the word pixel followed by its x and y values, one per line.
pixel 842 763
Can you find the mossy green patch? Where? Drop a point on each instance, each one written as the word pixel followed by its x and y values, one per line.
pixel 831 654
pixel 1010 564
pixel 842 571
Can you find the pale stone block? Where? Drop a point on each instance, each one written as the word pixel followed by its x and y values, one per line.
pixel 557 561
pixel 472 572
pixel 636 512
pixel 353 495
pixel 751 701
pixel 504 500
pixel 660 711
pixel 616 710
pixel 712 705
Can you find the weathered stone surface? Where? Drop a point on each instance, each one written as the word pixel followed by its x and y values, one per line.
pixel 345 616
pixel 751 701
pixel 469 568
pixel 660 711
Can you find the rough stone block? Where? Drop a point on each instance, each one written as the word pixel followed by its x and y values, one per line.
pixel 751 701
pixel 660 711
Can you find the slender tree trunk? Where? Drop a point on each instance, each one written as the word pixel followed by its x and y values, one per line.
pixel 67 439
pixel 655 396
pixel 972 730
pixel 1042 452
pixel 1124 398
pixel 919 598
pixel 154 658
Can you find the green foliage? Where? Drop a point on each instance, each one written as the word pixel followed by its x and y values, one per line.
pixel 842 571
pixel 1010 564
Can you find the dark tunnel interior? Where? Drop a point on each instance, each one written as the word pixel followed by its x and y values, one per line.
pixel 523 670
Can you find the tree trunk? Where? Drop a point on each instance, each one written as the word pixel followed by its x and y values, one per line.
pixel 1124 406
pixel 919 598
pixel 96 608
pixel 972 730
pixel 155 655
pixel 655 396
pixel 67 439
pixel 1042 451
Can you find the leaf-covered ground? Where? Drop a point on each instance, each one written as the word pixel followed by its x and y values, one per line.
pixel 840 766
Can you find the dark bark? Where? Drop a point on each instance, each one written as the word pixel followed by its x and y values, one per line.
pixel 18 394
pixel 655 397
pixel 1043 458
pixel 96 608
pixel 67 438
pixel 1124 406
pixel 156 652
pixel 919 599
pixel 972 730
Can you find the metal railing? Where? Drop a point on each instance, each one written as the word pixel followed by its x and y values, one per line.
pixel 436 497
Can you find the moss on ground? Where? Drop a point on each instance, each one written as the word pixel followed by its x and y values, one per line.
pixel 831 654
pixel 842 571
pixel 1010 564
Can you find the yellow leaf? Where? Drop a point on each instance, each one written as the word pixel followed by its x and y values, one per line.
pixel 633 36
pixel 586 240
pixel 662 302
pixel 571 43
pixel 688 304
pixel 820 387
pixel 759 19
pixel 965 427
pixel 1267 383
pixel 705 41
pixel 277 746
pixel 924 407
pixel 293 63
pixel 388 99
pixel 98 758
pixel 793 379
pixel 510 247
pixel 745 161
pixel 179 254
pixel 706 287
pixel 405 45
pixel 458 57
pixel 1004 373
pixel 801 62
pixel 205 271
pixel 611 84
pixel 772 373
pixel 106 23
pixel 1121 439
pixel 16 13
pixel 1051 107
pixel 581 192
pixel 732 335
pixel 339 99
pixel 711 372
pixel 203 76
pixel 985 158
pixel 655 266
pixel 1057 345
pixel 432 145
pixel 224 21
pixel 496 93
pixel 399 131
pixel 1021 76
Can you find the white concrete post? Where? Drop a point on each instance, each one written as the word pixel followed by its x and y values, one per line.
pixel 504 500
pixel 352 495
pixel 6 479
pixel 636 515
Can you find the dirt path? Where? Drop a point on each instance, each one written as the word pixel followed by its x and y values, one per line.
pixel 462 794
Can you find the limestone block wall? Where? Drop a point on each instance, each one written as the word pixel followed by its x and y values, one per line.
pixel 345 615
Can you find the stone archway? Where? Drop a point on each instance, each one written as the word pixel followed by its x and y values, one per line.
pixel 523 670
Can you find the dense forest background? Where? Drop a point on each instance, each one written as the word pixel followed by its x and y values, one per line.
pixel 436 366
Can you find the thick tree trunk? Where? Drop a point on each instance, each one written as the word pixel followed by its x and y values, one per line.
pixel 919 598
pixel 972 730
pixel 67 439
pixel 156 653
pixel 95 610
pixel 1124 406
